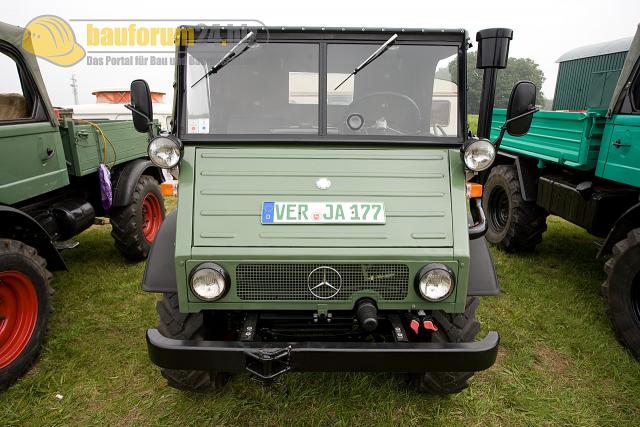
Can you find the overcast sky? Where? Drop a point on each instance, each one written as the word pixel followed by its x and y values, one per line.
pixel 543 29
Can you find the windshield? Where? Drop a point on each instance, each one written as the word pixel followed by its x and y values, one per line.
pixel 274 88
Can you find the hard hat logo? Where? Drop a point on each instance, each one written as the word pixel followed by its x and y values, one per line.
pixel 51 38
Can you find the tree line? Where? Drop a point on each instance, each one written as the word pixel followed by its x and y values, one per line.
pixel 517 69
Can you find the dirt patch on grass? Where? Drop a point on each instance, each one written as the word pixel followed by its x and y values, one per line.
pixel 133 417
pixel 550 360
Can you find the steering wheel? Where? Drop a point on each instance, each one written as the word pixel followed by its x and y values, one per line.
pixel 436 127
pixel 383 113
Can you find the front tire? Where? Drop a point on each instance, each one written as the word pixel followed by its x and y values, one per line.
pixel 461 327
pixel 25 308
pixel 186 326
pixel 135 226
pixel 622 291
pixel 514 225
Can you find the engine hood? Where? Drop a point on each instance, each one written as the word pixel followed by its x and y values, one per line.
pixel 231 184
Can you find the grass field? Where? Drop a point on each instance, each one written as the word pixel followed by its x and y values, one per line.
pixel 559 362
pixel 473 123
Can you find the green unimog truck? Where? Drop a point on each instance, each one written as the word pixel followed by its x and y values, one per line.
pixel 583 166
pixel 322 220
pixel 50 191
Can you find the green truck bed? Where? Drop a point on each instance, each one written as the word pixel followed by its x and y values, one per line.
pixel 568 138
pixel 84 148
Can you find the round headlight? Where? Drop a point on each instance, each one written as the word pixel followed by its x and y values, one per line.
pixel 209 281
pixel 165 151
pixel 435 282
pixel 479 155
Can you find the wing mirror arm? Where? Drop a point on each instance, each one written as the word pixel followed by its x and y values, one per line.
pixel 503 128
pixel 141 114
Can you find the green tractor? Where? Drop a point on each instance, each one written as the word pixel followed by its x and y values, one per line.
pixel 322 220
pixel 583 166
pixel 50 191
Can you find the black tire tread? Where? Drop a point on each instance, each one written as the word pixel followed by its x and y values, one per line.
pixel 461 327
pixel 185 326
pixel 11 373
pixel 527 221
pixel 627 331
pixel 125 222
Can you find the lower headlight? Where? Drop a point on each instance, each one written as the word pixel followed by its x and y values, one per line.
pixel 165 151
pixel 435 282
pixel 209 281
pixel 479 155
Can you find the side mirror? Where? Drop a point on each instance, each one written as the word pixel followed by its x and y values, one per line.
pixel 141 107
pixel 522 105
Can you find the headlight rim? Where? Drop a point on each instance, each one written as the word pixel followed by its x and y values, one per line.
pixel 211 266
pixel 478 141
pixel 172 138
pixel 430 267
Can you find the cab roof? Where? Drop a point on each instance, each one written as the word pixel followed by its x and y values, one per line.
pixel 304 29
pixel 338 33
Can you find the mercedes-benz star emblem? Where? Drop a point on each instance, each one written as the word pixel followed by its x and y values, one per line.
pixel 323 183
pixel 324 282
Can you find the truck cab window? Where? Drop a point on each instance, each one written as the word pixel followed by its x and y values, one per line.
pixel 15 104
pixel 406 91
pixel 272 88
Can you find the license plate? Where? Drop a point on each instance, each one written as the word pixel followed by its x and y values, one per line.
pixel 322 213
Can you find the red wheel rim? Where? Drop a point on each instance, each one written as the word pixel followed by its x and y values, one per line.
pixel 18 314
pixel 151 216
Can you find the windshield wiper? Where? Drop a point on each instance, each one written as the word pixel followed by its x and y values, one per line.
pixel 228 57
pixel 370 59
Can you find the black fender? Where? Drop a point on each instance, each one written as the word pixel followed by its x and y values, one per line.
pixel 127 176
pixel 483 280
pixel 527 173
pixel 623 225
pixel 17 225
pixel 160 269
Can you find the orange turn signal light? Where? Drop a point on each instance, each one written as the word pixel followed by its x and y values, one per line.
pixel 474 190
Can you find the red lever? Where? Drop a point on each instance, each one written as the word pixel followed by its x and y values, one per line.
pixel 429 325
pixel 415 326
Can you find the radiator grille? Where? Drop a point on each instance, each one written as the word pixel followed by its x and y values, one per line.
pixel 331 282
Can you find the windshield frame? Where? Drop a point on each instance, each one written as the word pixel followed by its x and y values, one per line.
pixel 323 37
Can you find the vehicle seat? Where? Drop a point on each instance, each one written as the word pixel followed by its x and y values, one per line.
pixel 12 106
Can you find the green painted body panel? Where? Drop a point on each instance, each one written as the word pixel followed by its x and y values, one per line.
pixel 85 150
pixel 39 156
pixel 25 170
pixel 583 141
pixel 233 183
pixel 222 189
pixel 621 163
pixel 570 139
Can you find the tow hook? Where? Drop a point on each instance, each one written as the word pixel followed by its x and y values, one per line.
pixel 267 365
pixel 422 320
pixel 414 324
pixel 429 325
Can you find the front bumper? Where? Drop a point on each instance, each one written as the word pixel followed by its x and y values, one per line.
pixel 268 360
